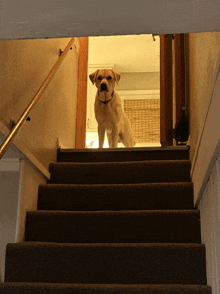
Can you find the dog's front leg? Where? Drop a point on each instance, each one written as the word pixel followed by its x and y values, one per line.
pixel 115 137
pixel 101 133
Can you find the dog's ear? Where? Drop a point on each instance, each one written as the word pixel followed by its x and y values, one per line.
pixel 116 75
pixel 93 76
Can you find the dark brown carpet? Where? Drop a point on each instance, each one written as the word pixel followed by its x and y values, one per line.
pixel 131 172
pixel 45 288
pixel 113 222
pixel 121 154
pixel 149 196
pixel 151 226
pixel 132 263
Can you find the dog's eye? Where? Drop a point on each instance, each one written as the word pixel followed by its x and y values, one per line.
pixel 109 78
pixel 99 78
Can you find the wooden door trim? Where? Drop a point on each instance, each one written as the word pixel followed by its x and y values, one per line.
pixel 82 93
pixel 179 78
pixel 166 91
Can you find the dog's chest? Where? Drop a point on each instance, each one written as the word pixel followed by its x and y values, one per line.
pixel 106 114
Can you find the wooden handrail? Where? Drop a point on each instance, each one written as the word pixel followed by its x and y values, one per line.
pixel 39 93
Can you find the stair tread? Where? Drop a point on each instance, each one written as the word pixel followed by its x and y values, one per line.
pixel 117 212
pixel 122 163
pixel 112 221
pixel 57 288
pixel 134 185
pixel 25 244
pixel 127 149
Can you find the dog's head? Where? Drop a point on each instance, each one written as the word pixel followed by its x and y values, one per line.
pixel 105 79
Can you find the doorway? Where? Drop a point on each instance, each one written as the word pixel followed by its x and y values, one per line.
pixel 137 59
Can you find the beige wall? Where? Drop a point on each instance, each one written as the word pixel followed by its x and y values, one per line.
pixel 128 54
pixel 204 53
pixel 24 64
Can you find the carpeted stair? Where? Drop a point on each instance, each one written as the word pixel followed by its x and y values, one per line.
pixel 112 221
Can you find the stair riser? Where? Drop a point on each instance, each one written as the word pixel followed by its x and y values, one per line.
pixel 39 288
pixel 150 249
pixel 113 227
pixel 106 264
pixel 120 156
pixel 121 173
pixel 116 197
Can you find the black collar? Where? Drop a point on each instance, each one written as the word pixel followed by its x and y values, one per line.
pixel 106 102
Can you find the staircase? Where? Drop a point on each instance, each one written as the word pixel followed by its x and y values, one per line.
pixel 112 221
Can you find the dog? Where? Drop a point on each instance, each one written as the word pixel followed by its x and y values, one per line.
pixel 108 110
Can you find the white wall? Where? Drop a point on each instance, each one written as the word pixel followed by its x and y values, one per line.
pixel 210 224
pixel 19 182
pixel 9 183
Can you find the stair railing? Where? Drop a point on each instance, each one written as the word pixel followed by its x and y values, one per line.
pixel 24 116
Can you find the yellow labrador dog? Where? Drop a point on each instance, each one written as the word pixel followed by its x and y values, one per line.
pixel 108 110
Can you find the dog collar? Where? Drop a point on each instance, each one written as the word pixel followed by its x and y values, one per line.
pixel 106 102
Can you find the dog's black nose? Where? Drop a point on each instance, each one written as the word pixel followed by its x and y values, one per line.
pixel 103 87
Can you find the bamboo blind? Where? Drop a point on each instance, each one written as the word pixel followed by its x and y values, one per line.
pixel 144 116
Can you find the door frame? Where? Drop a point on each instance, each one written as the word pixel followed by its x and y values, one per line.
pixel 82 93
pixel 166 91
pixel 172 87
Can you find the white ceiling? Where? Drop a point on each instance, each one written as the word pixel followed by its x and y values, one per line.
pixel 73 18
pixel 127 53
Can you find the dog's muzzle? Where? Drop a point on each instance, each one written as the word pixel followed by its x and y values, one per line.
pixel 103 87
